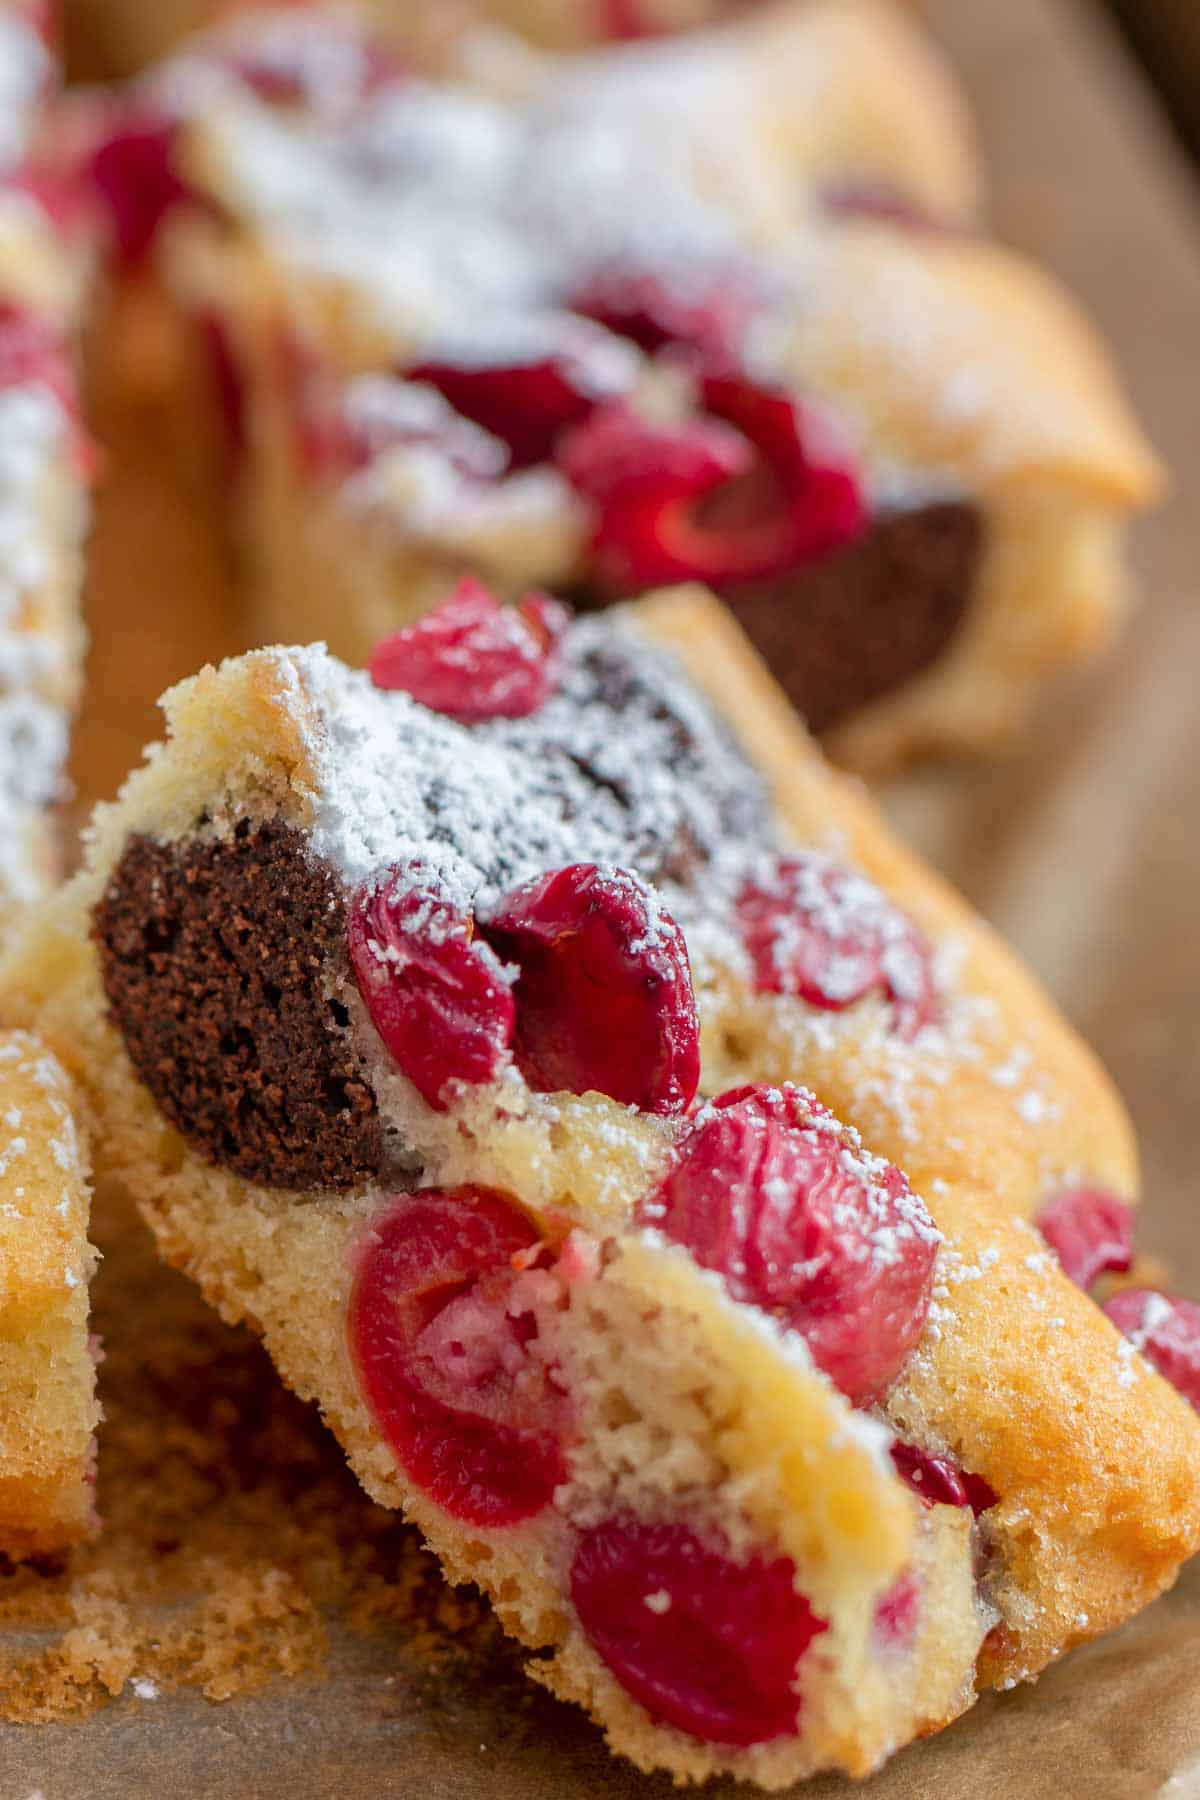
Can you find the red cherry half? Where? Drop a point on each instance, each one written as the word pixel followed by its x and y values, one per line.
pixel 938 1480
pixel 472 658
pixel 526 405
pixel 436 993
pixel 447 1360
pixel 132 168
pixel 827 935
pixel 1167 1332
pixel 769 1191
pixel 1090 1231
pixel 721 506
pixel 604 997
pixel 622 461
pixel 705 1644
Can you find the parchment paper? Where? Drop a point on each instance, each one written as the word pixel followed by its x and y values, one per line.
pixel 1084 846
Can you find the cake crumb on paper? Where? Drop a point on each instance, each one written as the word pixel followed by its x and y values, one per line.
pixel 232 1530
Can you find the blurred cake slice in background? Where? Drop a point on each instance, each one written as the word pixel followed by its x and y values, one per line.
pixel 636 317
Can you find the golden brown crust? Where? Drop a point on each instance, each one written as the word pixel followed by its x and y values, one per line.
pixel 985 1169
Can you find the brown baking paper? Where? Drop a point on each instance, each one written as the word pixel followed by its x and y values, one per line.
pixel 241 1562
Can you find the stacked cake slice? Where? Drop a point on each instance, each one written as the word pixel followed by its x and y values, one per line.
pixel 397 995
pixel 47 1380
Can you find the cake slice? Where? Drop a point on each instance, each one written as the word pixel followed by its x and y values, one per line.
pixel 711 333
pixel 398 995
pixel 48 1409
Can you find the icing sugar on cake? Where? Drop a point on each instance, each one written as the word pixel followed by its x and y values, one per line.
pixel 623 765
pixel 627 765
pixel 465 219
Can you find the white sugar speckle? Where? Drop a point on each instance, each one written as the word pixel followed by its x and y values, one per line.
pixel 1035 1108
pixel 1128 1364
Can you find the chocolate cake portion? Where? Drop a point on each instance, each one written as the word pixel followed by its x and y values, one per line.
pixel 214 953
pixel 868 619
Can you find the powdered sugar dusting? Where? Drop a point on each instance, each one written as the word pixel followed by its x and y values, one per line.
pixel 301 54
pixel 623 766
pixel 626 766
pixel 463 220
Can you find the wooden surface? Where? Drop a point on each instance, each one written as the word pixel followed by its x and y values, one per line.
pixel 1084 846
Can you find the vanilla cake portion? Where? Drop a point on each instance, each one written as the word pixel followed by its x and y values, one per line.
pixel 704 308
pixel 48 1408
pixel 443 1020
